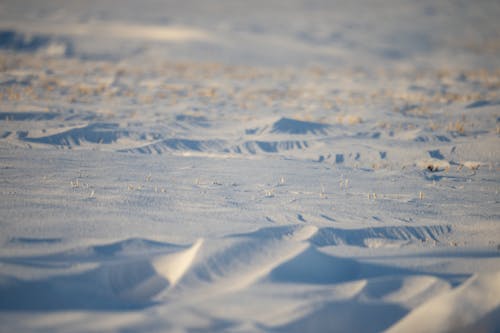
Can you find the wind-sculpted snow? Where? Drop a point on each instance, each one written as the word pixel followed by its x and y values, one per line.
pixel 258 147
pixel 293 126
pixel 100 133
pixel 258 166
pixel 180 145
pixel 118 282
pixel 359 237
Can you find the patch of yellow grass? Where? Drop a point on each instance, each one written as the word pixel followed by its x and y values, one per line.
pixel 349 119
pixel 457 126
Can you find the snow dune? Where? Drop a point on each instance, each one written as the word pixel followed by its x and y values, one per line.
pixel 120 282
pixel 472 307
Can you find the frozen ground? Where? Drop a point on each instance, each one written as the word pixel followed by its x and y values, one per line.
pixel 264 166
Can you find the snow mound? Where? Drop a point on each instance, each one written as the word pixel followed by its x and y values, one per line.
pixel 293 126
pixel 474 306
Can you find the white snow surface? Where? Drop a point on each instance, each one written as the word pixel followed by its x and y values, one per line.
pixel 249 166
